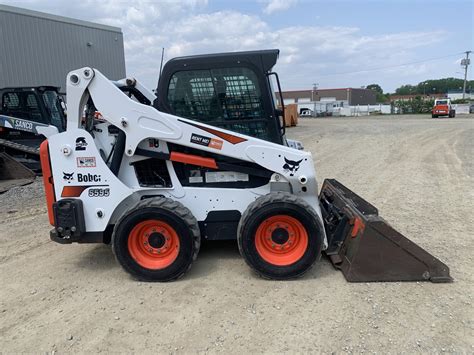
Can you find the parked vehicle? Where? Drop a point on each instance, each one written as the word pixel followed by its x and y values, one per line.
pixel 443 107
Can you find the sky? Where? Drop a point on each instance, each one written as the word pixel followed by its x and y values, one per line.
pixel 332 44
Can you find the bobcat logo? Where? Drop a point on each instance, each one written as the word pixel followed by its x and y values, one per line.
pixel 68 177
pixel 291 166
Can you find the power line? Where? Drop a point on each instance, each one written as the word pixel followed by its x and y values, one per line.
pixel 392 66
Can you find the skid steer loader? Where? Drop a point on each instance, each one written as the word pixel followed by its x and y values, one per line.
pixel 207 158
pixel 26 113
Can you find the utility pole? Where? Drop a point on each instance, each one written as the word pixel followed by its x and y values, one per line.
pixel 465 63
pixel 313 91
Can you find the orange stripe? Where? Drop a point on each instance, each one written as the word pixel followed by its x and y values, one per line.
pixel 47 180
pixel 73 191
pixel 193 160
pixel 225 136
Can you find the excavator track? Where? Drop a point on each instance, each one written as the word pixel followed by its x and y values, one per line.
pixel 20 147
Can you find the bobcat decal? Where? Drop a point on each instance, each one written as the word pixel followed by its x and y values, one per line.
pixel 291 166
pixel 68 176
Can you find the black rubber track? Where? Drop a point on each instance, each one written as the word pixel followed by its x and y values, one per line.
pixel 165 205
pixel 314 233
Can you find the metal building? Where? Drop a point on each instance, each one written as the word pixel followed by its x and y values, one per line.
pixel 40 49
pixel 352 96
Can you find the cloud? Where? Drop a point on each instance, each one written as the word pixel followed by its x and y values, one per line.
pixel 278 5
pixel 308 54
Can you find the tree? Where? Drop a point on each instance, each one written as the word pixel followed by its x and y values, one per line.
pixel 406 90
pixel 375 87
pixel 380 96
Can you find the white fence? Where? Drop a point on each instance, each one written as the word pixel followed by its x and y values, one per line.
pixel 461 109
pixel 362 110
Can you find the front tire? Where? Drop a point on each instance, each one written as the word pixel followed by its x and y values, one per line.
pixel 156 240
pixel 279 236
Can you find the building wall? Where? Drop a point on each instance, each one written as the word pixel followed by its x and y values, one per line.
pixel 353 96
pixel 40 49
pixel 362 97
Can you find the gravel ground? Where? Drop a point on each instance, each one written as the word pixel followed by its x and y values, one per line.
pixel 419 173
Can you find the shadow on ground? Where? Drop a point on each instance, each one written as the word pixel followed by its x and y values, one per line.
pixel 212 256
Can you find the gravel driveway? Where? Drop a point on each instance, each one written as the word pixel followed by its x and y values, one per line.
pixel 418 171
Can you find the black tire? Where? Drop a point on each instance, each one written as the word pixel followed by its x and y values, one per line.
pixel 434 116
pixel 258 213
pixel 163 210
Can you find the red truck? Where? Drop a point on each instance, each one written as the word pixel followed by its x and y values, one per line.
pixel 443 107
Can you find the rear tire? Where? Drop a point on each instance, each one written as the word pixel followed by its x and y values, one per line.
pixel 279 236
pixel 156 240
pixel 434 116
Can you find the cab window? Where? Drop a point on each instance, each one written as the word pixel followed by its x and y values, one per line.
pixel 228 97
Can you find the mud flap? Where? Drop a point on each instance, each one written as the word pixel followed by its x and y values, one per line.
pixel 13 173
pixel 366 248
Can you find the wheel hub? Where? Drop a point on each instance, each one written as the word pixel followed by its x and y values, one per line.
pixel 156 240
pixel 153 244
pixel 281 240
pixel 280 236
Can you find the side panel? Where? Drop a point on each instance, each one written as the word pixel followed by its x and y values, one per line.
pixel 80 172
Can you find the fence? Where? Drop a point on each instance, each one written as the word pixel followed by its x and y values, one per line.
pixel 362 110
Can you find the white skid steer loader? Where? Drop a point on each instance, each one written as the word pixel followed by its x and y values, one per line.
pixel 207 158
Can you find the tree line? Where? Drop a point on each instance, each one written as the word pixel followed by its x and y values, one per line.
pixel 436 86
pixel 419 103
pixel 427 87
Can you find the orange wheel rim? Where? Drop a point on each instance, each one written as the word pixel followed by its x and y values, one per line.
pixel 153 244
pixel 281 240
